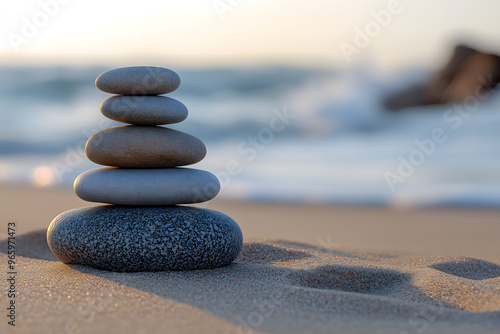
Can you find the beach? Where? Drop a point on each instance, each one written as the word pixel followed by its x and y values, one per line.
pixel 303 268
pixel 342 158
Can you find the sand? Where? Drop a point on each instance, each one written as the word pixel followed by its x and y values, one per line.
pixel 303 269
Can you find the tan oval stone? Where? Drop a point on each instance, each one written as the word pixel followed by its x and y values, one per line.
pixel 136 146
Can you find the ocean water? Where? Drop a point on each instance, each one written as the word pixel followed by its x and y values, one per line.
pixel 281 134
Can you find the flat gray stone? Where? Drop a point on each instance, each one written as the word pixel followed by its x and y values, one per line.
pixel 138 80
pixel 165 186
pixel 119 238
pixel 140 146
pixel 144 110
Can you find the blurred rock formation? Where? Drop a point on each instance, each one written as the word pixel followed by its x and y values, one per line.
pixel 469 72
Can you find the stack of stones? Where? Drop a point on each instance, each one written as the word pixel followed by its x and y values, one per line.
pixel 143 227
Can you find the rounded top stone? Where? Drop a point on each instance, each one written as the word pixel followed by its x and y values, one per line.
pixel 138 80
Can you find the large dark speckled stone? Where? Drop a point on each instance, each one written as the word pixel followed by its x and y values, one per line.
pixel 127 238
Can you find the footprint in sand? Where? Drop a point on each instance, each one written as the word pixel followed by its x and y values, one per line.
pixel 469 268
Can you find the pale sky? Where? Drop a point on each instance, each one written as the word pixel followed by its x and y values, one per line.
pixel 195 33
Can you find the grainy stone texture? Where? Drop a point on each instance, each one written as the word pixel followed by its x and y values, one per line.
pixel 138 146
pixel 145 110
pixel 119 238
pixel 138 80
pixel 164 186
